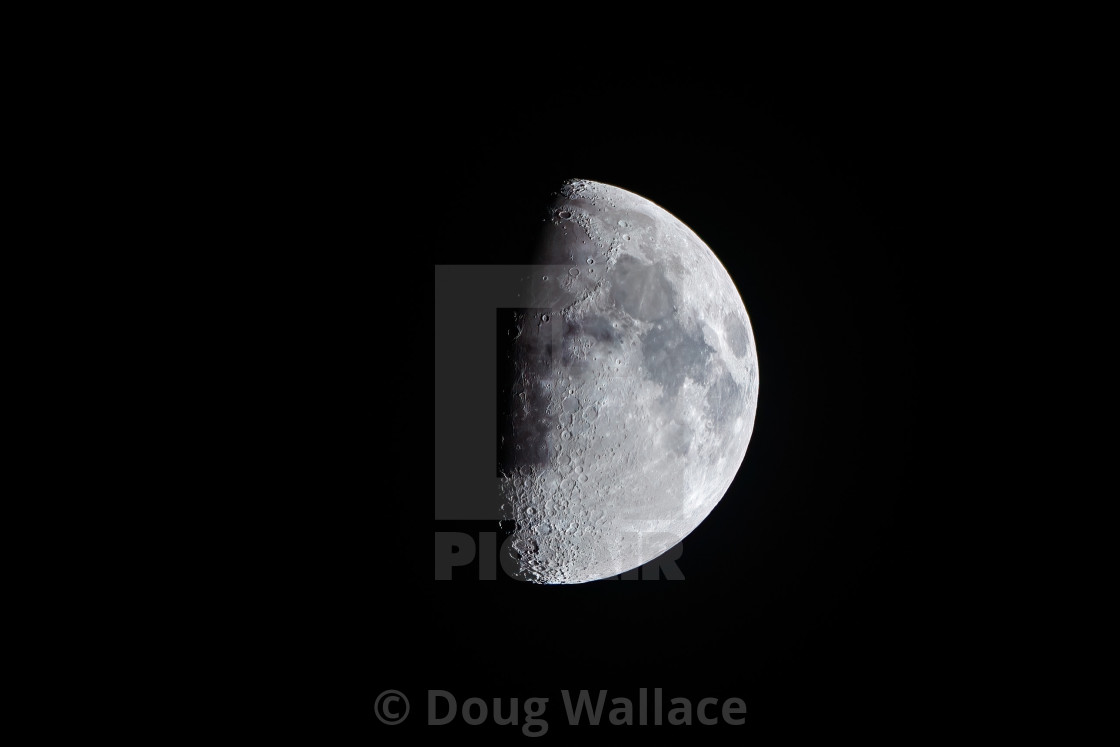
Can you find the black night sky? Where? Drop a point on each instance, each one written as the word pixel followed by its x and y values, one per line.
pixel 812 591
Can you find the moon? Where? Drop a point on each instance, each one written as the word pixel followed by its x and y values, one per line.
pixel 633 387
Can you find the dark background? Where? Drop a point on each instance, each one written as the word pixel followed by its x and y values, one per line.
pixel 815 590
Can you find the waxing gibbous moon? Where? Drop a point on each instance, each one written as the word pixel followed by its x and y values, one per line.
pixel 634 386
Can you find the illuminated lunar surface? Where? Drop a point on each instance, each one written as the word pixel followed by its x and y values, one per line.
pixel 635 387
